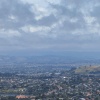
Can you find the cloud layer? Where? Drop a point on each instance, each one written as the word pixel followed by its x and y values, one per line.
pixel 69 25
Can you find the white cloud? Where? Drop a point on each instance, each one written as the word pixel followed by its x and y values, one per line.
pixel 9 33
pixel 32 29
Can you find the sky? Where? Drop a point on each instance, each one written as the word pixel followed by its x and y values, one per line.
pixel 49 26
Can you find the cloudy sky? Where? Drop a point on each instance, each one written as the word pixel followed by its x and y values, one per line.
pixel 49 26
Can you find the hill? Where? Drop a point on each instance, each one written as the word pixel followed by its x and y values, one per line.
pixel 87 70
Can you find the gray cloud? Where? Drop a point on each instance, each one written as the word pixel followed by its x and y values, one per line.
pixel 66 25
pixel 14 14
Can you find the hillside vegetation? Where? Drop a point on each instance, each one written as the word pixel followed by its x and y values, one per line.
pixel 87 69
